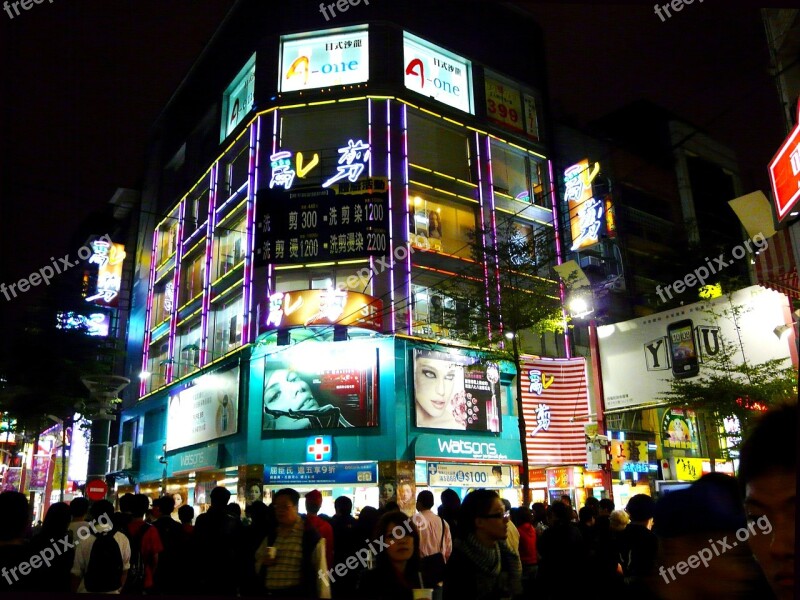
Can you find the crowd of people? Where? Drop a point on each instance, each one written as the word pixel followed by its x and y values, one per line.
pixel 689 544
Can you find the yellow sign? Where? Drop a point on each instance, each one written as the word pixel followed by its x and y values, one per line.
pixel 628 453
pixel 503 104
pixel 688 469
pixel 585 211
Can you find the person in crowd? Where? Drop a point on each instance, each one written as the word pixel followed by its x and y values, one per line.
pixel 234 510
pixel 145 545
pixel 54 577
pixel 390 506
pixel 638 544
pixel 592 504
pixel 567 501
pixel 482 566
pixel 397 567
pixel 539 517
pixel 313 504
pixel 449 508
pixel 122 518
pixel 586 525
pixel 562 554
pixel 186 518
pixel 768 480
pixel 78 510
pixel 13 548
pixel 618 520
pixel 604 509
pixel 168 576
pixel 101 514
pixel 512 535
pixel 187 550
pixel 434 538
pixel 217 536
pixel 253 534
pixel 528 555
pixel 345 544
pixel 298 561
pixel 687 522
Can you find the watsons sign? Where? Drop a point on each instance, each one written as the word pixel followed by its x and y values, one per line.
pixel 456 448
pixel 433 71
pixel 324 58
pixel 194 460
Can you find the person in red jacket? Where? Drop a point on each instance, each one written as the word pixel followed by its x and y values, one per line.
pixel 523 518
pixel 313 504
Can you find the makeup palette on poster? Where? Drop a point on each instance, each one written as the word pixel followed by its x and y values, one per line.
pixel 321 387
pixel 455 391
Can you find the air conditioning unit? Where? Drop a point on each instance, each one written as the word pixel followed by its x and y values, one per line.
pixel 110 466
pixel 114 458
pixel 124 456
pixel 591 261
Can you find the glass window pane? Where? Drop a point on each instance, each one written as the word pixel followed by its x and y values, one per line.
pixel 441 225
pixel 510 172
pixel 437 147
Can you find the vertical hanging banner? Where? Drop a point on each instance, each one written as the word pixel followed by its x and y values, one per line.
pixel 555 405
pixel 585 211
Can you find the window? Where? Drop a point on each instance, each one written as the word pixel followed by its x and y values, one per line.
pixel 441 225
pixel 437 147
pixel 516 175
pixel 156 363
pixel 167 240
pixel 236 171
pixel 320 279
pixel 192 274
pixel 163 301
pixel 155 426
pixel 187 349
pixel 437 315
pixel 196 208
pixel 226 326
pixel 230 243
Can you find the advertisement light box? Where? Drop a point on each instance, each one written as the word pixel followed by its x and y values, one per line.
pixel 433 71
pixel 324 58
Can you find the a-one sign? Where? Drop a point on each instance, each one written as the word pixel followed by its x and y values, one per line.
pixel 677 343
pixel 204 409
pixel 456 448
pixel 324 59
pixel 461 475
pixel 361 474
pixel 238 98
pixel 96 489
pixel 784 173
pixel 432 71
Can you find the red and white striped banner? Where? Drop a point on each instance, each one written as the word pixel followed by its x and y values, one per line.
pixel 555 404
pixel 776 268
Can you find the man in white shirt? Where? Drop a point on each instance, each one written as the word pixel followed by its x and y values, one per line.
pixel 430 531
pixel 100 512
pixel 78 509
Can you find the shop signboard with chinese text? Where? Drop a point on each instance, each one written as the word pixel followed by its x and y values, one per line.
pixel 432 71
pixel 679 428
pixel 361 474
pixel 585 211
pixel 324 59
pixel 108 257
pixel 629 456
pixel 784 173
pixel 330 306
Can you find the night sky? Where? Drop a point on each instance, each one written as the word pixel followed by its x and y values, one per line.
pixel 82 80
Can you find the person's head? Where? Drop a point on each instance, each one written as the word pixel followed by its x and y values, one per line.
pixel 586 516
pixel 387 490
pixel 79 508
pixel 57 518
pixel 521 516
pixel 285 390
pixel 126 504
pixel 286 502
pixel 14 513
pixel 313 502
pixel 450 499
pixel 561 513
pixel 219 497
pixel 177 499
pixel 605 507
pixel 593 504
pixel 566 500
pixel 506 504
pixel 257 513
pixel 433 385
pixel 254 492
pixel 768 479
pixel 165 504
pixel 405 492
pixel 424 500
pixel 641 509
pixel 539 512
pixel 434 221
pixel 402 537
pixel 483 514
pixel 497 472
pixel 234 510
pixel 101 512
pixel 618 520
pixel 139 506
pixel 186 514
pixel 390 506
pixel 343 506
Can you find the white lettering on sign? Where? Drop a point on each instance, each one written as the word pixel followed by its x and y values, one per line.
pixel 474 449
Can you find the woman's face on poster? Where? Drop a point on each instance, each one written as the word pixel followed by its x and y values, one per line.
pixel 286 391
pixel 433 384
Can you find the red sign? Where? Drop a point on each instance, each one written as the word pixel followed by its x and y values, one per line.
pixel 96 489
pixel 784 173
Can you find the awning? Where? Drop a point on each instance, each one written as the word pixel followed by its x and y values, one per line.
pixel 776 268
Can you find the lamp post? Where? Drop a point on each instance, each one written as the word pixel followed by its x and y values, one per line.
pixel 104 390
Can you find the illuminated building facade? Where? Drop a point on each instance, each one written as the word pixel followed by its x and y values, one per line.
pixel 294 239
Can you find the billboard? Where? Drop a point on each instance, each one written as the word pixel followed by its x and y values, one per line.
pixel 677 344
pixel 239 97
pixel 324 59
pixel 108 257
pixel 585 211
pixel 327 385
pixel 330 306
pixel 204 409
pixel 555 406
pixel 784 173
pixel 432 71
pixel 455 391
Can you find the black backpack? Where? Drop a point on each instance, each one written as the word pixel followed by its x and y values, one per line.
pixel 104 571
pixel 134 584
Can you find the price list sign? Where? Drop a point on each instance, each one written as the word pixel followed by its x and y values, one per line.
pixel 347 220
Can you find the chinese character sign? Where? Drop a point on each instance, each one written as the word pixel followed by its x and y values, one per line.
pixel 585 211
pixel 109 258
pixel 323 59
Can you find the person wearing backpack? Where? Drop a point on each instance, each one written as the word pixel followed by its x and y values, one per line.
pixel 102 559
pixel 145 547
pixel 169 576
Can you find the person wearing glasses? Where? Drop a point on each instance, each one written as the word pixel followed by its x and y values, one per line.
pixel 482 566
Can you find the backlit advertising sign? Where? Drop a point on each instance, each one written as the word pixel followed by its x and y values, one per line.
pixel 239 97
pixel 329 385
pixel 585 211
pixel 784 173
pixel 324 59
pixel 455 391
pixel 108 257
pixel 327 307
pixel 432 71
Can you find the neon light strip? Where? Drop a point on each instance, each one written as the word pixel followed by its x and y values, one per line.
pixel 409 308
pixel 483 228
pixel 143 383
pixel 391 209
pixel 210 235
pixel 494 233
pixel 177 287
pixel 562 292
pixel 247 287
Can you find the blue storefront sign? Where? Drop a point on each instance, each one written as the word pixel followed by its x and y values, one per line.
pixel 345 474
pixel 462 448
pixel 194 460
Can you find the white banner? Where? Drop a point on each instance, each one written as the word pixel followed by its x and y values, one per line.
pixel 433 71
pixel 322 59
pixel 461 475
